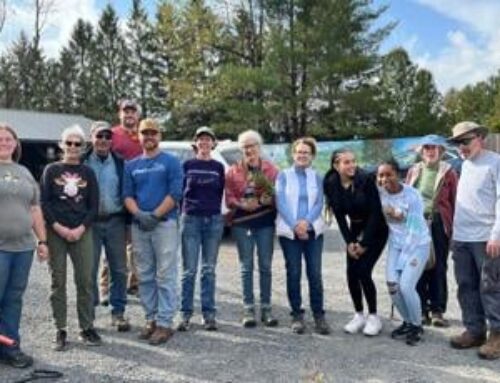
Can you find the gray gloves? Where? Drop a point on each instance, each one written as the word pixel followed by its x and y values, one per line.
pixel 147 221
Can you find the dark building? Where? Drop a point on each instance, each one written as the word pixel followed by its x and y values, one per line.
pixel 40 133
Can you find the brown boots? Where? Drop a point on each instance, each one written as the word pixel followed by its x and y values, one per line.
pixel 488 349
pixel 491 349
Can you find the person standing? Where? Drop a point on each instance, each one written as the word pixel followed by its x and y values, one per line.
pixel 70 200
pixel 202 226
pixel 125 143
pixel 351 193
pixel 152 189
pixel 476 241
pixel 109 227
pixel 409 243
pixel 21 214
pixel 437 183
pixel 250 196
pixel 300 227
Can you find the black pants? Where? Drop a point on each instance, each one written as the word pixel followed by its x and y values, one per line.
pixel 359 276
pixel 433 286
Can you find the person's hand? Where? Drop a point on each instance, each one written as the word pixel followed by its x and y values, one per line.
pixel 351 250
pixel 42 251
pixel 147 221
pixel 250 204
pixel 493 248
pixel 266 200
pixel 63 231
pixel 301 229
pixel 359 250
pixel 76 233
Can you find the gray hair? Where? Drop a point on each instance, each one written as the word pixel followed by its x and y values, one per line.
pixel 251 135
pixel 73 130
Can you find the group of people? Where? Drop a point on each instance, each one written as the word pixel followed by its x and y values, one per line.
pixel 126 193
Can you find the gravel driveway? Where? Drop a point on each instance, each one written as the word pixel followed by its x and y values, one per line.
pixel 235 354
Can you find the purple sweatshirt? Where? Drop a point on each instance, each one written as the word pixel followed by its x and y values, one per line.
pixel 203 187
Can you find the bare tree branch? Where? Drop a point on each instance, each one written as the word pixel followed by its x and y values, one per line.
pixel 3 13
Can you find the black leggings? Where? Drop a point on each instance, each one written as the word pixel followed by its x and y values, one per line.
pixel 359 278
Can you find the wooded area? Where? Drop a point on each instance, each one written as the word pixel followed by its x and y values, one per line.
pixel 285 67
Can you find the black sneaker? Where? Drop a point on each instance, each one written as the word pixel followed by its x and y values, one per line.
pixel 401 331
pixel 61 341
pixel 17 359
pixel 414 336
pixel 210 324
pixel 184 325
pixel 90 337
pixel 298 325
pixel 120 322
pixel 321 326
pixel 268 319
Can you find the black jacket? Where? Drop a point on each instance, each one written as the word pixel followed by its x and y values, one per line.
pixel 361 203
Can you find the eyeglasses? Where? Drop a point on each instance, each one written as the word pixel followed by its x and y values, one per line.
pixel 465 141
pixel 430 147
pixel 249 146
pixel 103 136
pixel 149 133
pixel 76 144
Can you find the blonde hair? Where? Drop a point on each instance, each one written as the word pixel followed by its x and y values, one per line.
pixel 309 141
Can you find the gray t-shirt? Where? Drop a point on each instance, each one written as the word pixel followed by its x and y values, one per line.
pixel 18 193
pixel 477 210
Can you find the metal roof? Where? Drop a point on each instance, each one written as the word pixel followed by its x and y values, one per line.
pixel 42 126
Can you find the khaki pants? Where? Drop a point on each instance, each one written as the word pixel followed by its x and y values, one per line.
pixel 81 255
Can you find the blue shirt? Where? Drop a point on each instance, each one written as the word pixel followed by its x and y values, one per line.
pixel 108 180
pixel 303 204
pixel 149 180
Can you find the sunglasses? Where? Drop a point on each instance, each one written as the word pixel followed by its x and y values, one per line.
pixel 464 141
pixel 76 144
pixel 104 136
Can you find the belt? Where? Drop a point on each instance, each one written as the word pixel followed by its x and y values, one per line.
pixel 107 217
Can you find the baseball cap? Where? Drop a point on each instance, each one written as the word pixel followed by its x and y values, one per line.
pixel 204 130
pixel 99 126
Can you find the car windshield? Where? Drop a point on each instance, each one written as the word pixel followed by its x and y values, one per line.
pixel 231 155
pixel 182 154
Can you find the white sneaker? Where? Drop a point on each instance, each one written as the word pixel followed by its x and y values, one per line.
pixel 373 325
pixel 356 324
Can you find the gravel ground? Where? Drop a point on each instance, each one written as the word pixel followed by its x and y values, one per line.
pixel 235 354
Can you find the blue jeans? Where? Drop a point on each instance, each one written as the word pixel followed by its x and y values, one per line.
pixel 156 262
pixel 246 241
pixel 111 235
pixel 312 249
pixel 200 233
pixel 14 271
pixel 402 281
pixel 478 280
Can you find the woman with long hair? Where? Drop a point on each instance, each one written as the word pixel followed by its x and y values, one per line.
pixel 409 242
pixel 352 196
pixel 21 215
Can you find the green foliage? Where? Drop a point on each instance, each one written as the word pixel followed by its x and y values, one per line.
pixel 286 68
